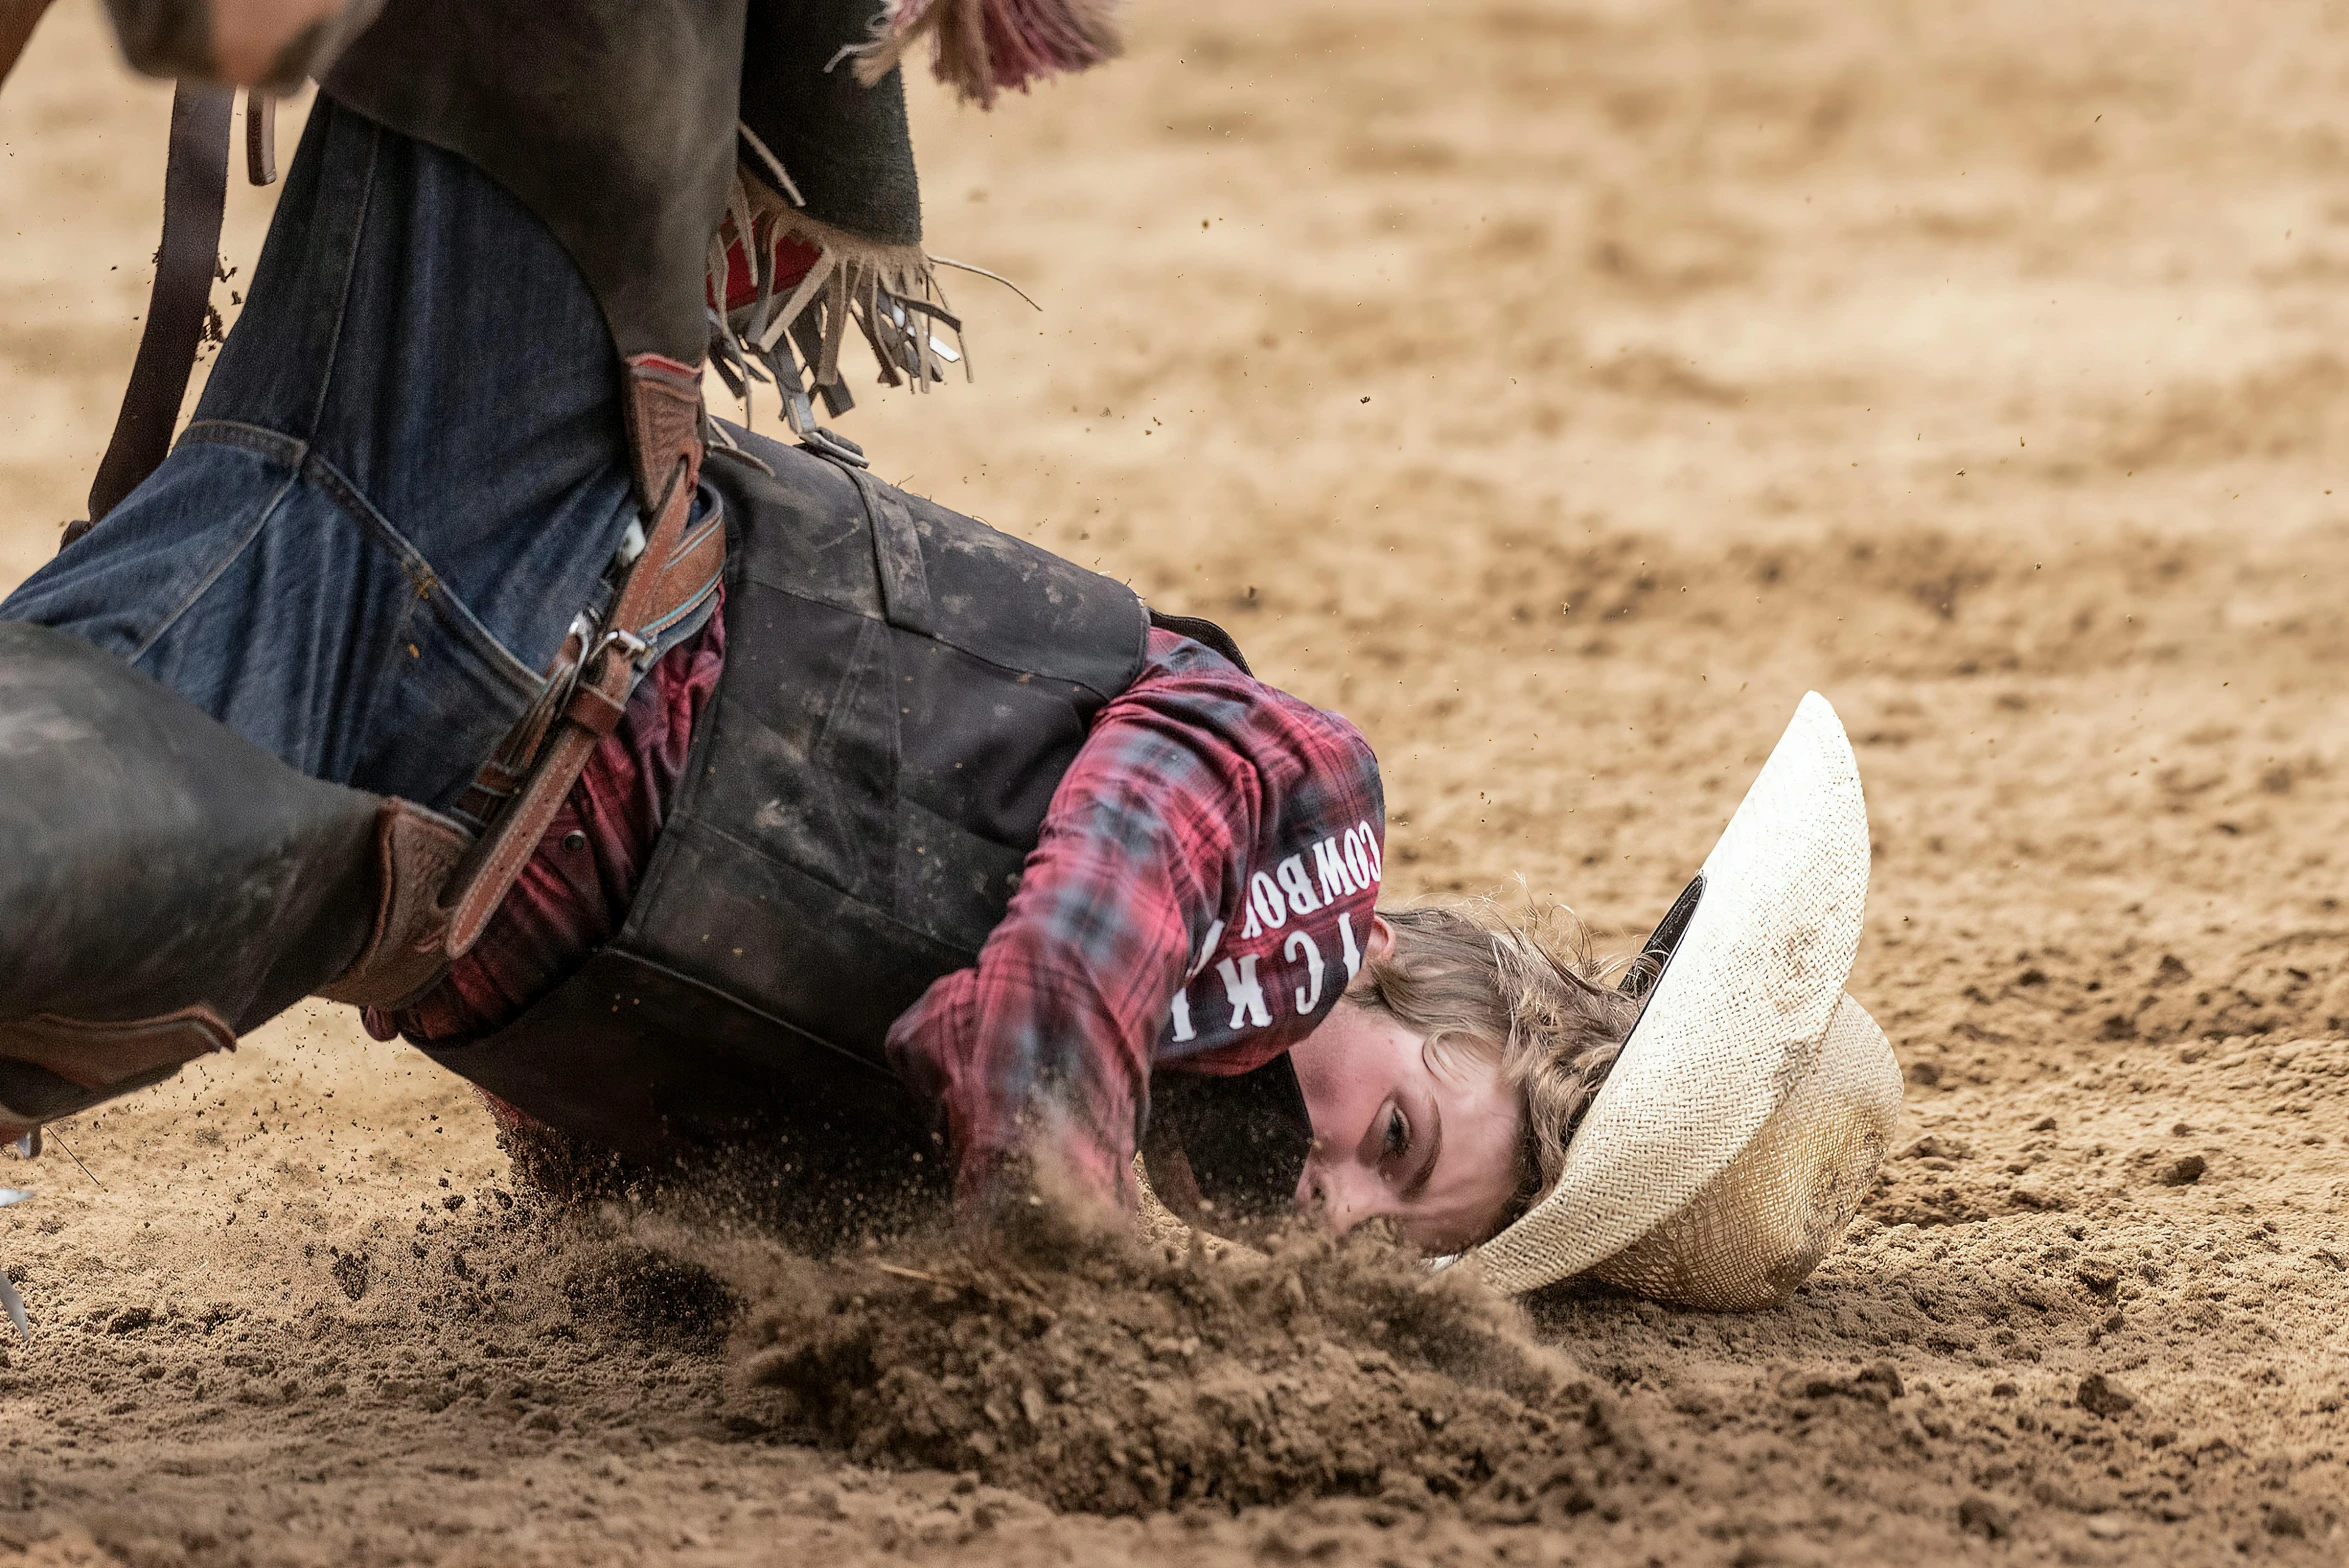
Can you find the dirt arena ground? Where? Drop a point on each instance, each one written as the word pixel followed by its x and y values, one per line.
pixel 1560 390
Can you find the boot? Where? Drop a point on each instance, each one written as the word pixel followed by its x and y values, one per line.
pixel 166 886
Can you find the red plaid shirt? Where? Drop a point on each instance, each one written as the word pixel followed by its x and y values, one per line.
pixel 1197 900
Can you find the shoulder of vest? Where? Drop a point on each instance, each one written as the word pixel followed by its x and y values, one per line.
pixel 815 528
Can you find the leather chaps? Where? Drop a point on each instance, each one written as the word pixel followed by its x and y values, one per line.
pixel 166 886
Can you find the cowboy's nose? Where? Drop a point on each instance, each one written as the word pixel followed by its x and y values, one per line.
pixel 1334 1201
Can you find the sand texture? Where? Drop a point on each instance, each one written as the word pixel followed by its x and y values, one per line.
pixel 1560 390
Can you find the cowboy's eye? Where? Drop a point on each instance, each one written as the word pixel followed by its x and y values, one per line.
pixel 1398 1134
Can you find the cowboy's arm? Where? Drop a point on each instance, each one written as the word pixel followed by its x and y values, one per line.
pixel 1039 1056
pixel 241 43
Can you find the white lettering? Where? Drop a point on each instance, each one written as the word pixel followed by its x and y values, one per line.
pixel 1266 901
pixel 1329 862
pixel 1310 997
pixel 1206 951
pixel 1370 848
pixel 1357 863
pixel 1244 991
pixel 1181 1013
pixel 1352 954
pixel 1297 885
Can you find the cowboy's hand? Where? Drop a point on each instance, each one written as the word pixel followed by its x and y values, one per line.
pixel 270 44
pixel 1047 1183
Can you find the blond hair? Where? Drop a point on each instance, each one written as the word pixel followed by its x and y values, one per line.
pixel 1522 990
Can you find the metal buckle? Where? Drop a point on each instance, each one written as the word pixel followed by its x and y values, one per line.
pixel 558 694
pixel 831 444
pixel 638 649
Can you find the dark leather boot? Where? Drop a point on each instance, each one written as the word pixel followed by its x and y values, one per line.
pixel 166 886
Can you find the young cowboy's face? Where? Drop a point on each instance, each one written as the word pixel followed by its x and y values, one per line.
pixel 1426 1139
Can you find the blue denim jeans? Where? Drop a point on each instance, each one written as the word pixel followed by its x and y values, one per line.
pixel 407 474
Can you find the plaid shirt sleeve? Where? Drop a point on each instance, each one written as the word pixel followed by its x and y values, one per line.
pixel 1186 784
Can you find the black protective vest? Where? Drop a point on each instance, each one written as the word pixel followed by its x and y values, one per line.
pixel 903 689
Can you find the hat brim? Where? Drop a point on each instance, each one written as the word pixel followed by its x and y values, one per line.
pixel 1739 1014
pixel 1757 1230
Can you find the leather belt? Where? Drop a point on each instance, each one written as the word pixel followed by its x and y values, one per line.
pixel 518 791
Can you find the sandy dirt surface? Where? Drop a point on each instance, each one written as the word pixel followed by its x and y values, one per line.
pixel 1559 390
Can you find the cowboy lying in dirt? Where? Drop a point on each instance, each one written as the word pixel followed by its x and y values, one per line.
pixel 1019 865
pixel 944 862
pixel 694 794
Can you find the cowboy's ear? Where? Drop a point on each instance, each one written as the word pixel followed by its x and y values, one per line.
pixel 1381 942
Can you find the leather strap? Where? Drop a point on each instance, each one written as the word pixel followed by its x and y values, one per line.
pixel 52 1066
pixel 508 767
pixel 590 686
pixel 260 138
pixel 98 1055
pixel 195 193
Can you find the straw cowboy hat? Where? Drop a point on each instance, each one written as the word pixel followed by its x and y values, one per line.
pixel 1744 1121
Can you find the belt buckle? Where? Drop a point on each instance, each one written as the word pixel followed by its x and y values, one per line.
pixel 637 649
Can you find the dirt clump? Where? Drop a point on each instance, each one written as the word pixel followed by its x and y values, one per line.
pixel 1101 1374
pixel 652 1292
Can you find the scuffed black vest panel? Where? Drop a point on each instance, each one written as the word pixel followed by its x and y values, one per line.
pixel 904 688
